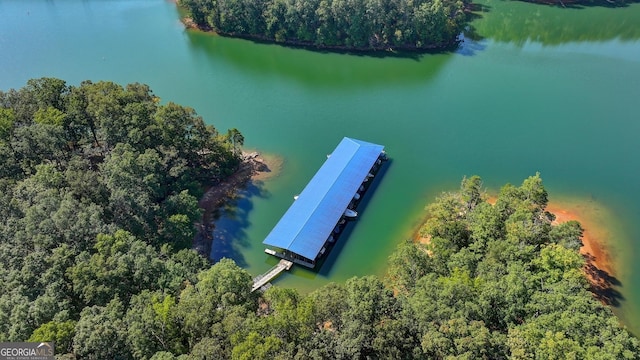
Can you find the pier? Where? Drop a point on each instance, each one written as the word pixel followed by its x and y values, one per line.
pixel 262 280
pixel 312 224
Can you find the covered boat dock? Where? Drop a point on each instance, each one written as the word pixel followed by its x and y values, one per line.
pixel 311 225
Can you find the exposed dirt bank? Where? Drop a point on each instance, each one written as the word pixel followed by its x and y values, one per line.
pixel 599 267
pixel 253 168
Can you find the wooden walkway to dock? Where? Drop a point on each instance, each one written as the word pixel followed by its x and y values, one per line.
pixel 261 280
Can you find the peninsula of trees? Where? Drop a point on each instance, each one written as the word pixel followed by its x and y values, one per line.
pixel 363 25
pixel 98 188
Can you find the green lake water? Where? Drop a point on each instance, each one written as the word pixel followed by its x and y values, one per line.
pixel 533 88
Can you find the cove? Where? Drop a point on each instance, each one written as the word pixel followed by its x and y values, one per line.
pixel 534 88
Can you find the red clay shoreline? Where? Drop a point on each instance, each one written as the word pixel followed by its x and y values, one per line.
pixel 593 246
pixel 599 267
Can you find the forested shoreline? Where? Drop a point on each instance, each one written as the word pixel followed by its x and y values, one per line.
pixel 349 25
pixel 99 188
pixel 98 197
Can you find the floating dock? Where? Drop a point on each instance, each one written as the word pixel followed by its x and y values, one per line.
pixel 314 221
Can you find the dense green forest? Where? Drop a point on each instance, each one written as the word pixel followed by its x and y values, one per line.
pixel 98 199
pixel 368 25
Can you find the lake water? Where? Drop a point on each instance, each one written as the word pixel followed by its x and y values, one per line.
pixel 533 88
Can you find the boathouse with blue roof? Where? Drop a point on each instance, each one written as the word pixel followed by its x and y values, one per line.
pixel 311 224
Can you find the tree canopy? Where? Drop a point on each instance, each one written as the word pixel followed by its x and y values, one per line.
pixel 98 198
pixel 368 25
pixel 97 202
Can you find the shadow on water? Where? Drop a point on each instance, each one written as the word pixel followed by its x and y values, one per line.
pixel 229 236
pixel 469 46
pixel 471 42
pixel 324 267
pixel 318 69
pixel 582 4
pixel 380 54
pixel 603 284
pixel 520 22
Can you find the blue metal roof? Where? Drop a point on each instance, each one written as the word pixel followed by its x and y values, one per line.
pixel 305 227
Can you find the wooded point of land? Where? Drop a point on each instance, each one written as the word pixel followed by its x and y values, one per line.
pixel 98 197
pixel 367 25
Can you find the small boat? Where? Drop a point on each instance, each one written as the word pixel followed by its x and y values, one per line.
pixel 350 213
